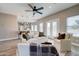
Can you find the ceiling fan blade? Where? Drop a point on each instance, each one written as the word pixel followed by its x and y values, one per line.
pixel 28 10
pixel 39 12
pixel 33 13
pixel 40 8
pixel 30 6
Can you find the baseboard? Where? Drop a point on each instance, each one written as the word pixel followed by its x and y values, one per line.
pixel 8 39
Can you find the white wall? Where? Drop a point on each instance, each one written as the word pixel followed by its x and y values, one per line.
pixel 8 27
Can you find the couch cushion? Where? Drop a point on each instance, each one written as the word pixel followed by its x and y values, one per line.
pixel 41 34
pixel 36 34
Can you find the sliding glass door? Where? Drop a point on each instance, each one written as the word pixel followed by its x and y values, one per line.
pixel 41 27
pixel 48 29
pixel 36 28
pixel 54 28
pixel 73 25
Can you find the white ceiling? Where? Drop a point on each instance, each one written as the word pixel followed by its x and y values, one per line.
pixel 18 9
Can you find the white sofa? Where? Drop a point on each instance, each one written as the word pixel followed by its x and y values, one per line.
pixel 23 48
pixel 63 45
pixel 33 34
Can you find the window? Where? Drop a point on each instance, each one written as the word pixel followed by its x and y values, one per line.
pixel 48 29
pixel 32 28
pixel 54 28
pixel 21 28
pixel 41 27
pixel 35 27
pixel 73 25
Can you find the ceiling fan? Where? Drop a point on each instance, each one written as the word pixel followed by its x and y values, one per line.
pixel 35 9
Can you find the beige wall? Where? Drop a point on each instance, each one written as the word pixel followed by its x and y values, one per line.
pixel 8 26
pixel 60 17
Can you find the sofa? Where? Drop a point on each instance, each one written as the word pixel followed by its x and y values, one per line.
pixel 34 49
pixel 63 45
pixel 32 34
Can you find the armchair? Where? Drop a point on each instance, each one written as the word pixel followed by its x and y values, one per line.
pixel 63 45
